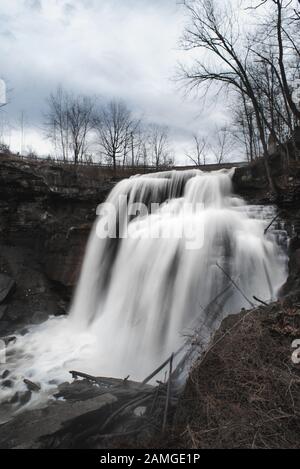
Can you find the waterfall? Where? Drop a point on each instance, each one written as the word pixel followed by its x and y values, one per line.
pixel 178 242
pixel 141 293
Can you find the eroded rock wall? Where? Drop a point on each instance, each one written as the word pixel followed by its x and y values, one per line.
pixel 46 212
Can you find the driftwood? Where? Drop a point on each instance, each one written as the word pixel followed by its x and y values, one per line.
pixel 79 374
pixel 260 301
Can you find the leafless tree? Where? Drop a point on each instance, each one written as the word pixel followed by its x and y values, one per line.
pixel 281 31
pixel 197 154
pixel 221 145
pixel 215 29
pixel 159 147
pixel 56 121
pixel 114 125
pixel 243 128
pixel 80 121
pixel 138 145
pixel 68 122
pixel 276 48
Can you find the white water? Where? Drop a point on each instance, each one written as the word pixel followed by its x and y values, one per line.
pixel 138 297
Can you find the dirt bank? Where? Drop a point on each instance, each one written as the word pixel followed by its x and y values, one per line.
pixel 245 391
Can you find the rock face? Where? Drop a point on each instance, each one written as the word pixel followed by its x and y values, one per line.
pixel 7 285
pixel 251 182
pixel 46 212
pixel 81 416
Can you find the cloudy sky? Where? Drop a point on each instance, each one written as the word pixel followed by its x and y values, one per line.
pixel 124 49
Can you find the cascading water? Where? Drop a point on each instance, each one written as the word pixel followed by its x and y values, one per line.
pixel 160 274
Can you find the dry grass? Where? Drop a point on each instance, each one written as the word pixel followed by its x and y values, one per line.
pixel 245 393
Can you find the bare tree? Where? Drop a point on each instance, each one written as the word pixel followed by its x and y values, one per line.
pixel 114 124
pixel 243 129
pixel 80 122
pixel 222 145
pixel 56 121
pixel 68 122
pixel 159 147
pixel 198 153
pixel 215 28
pixel 275 71
pixel 4 124
pixel 138 145
pixel 281 6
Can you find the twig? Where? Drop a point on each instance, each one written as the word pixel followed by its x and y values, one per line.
pixel 260 301
pixel 225 334
pixel 271 223
pixel 157 370
pixel 236 286
pixel 168 395
pixel 155 399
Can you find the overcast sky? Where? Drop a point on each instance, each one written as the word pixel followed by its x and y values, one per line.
pixel 112 48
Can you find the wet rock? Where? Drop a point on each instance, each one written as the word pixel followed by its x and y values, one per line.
pixel 21 398
pixel 7 383
pixel 3 309
pixel 31 386
pixel 5 374
pixel 7 286
pixel 15 398
pixel 9 340
pixel 39 316
pixel 79 406
pixel 25 397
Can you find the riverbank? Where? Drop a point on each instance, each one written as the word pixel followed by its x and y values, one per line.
pixel 245 391
pixel 46 213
